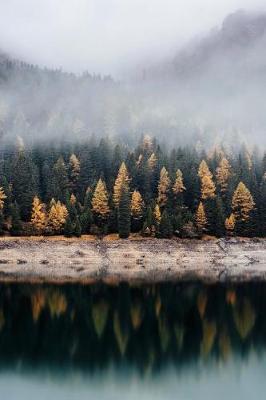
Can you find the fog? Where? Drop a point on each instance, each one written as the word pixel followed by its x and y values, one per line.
pixel 176 76
pixel 106 36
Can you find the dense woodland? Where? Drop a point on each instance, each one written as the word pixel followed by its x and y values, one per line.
pixel 98 187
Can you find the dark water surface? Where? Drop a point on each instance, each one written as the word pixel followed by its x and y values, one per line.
pixel 183 341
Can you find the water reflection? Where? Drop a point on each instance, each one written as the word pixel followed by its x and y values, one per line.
pixel 144 330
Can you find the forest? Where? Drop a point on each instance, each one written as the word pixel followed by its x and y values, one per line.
pixel 100 187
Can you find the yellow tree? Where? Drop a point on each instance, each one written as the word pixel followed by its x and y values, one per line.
pixel 100 200
pixel 2 198
pixel 230 223
pixel 38 215
pixel 178 186
pixel 201 219
pixel 242 203
pixel 207 184
pixel 223 173
pixel 136 205
pixel 74 167
pixel 57 216
pixel 157 214
pixel 163 187
pixel 121 180
pixel 152 160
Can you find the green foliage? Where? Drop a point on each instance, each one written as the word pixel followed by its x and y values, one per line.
pixel 124 213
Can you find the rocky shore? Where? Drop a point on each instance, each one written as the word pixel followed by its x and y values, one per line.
pixel 60 260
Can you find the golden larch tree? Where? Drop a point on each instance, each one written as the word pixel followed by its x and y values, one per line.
pixel 207 184
pixel 74 169
pixel 99 201
pixel 230 223
pixel 163 187
pixel 57 216
pixel 121 180
pixel 38 215
pixel 152 160
pixel 2 198
pixel 201 219
pixel 178 186
pixel 223 173
pixel 157 214
pixel 136 205
pixel 242 203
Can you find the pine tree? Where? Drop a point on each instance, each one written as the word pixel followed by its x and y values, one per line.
pixel 24 182
pixel 38 216
pixel 165 228
pixel 1 222
pixel 124 213
pixel 200 218
pixel 2 198
pixel 207 184
pixel 100 201
pixel 16 227
pixel 223 173
pixel 121 180
pixel 242 203
pixel 163 187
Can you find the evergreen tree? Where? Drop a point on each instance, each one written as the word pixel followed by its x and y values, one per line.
pixel 16 226
pixel 124 213
pixel 166 228
pixel 24 182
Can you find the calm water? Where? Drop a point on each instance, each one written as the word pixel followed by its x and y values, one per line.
pixel 184 341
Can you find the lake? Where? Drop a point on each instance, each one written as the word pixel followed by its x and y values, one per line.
pixel 170 341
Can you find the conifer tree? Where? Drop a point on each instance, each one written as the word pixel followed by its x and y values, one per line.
pixel 60 181
pixel 165 228
pixel 121 180
pixel 230 223
pixel 16 226
pixel 178 187
pixel 152 160
pixel 2 198
pixel 124 213
pixel 163 187
pixel 24 182
pixel 1 222
pixel 74 172
pixel 157 215
pixel 57 216
pixel 223 173
pixel 242 203
pixel 136 205
pixel 38 215
pixel 200 218
pixel 100 201
pixel 207 184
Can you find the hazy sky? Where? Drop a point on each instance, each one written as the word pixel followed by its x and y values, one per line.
pixel 106 35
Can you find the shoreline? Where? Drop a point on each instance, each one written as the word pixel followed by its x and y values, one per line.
pixel 136 261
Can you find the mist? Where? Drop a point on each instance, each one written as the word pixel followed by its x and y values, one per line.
pixel 160 70
pixel 106 36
